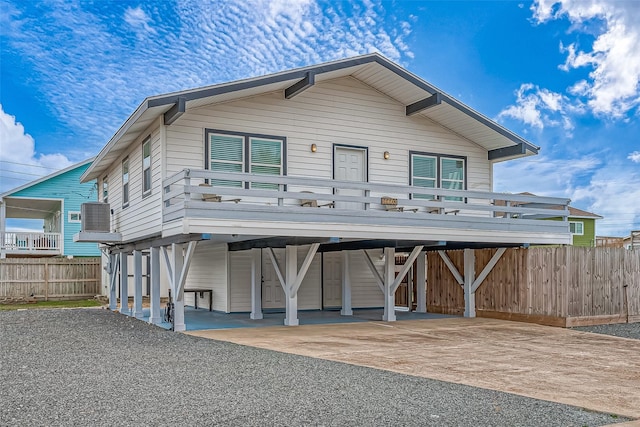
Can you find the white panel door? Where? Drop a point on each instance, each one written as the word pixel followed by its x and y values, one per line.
pixel 272 293
pixel 332 280
pixel 350 165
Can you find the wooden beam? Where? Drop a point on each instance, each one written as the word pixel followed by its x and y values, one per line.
pixel 452 268
pixel 154 298
pixel 304 267
pixel 167 265
pixel 291 298
pixel 469 278
pixel 405 268
pixel 114 263
pixel 514 150
pixel 191 248
pixel 487 269
pixel 423 104
pixel 137 284
pixel 374 270
pixel 389 314
pixel 124 284
pixel 177 110
pixel 421 283
pixel 346 309
pixel 300 86
pixel 256 284
pixel 277 268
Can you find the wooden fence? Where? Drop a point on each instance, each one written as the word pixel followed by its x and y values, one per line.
pixel 49 278
pixel 560 286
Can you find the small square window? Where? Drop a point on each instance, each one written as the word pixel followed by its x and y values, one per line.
pixel 74 216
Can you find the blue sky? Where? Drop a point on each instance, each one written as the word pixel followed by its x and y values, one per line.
pixel 563 74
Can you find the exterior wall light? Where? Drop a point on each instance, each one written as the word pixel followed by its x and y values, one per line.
pixel 314 148
pixel 386 155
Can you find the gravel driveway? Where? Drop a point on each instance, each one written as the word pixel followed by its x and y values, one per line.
pixel 95 367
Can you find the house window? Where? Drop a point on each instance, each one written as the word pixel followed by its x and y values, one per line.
pixel 576 227
pixel 125 183
pixel 74 216
pixel 105 190
pixel 236 152
pixel 146 167
pixel 438 171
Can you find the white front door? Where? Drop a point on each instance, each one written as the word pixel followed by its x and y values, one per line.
pixel 332 280
pixel 350 165
pixel 272 293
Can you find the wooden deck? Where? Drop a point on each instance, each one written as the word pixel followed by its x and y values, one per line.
pixel 201 201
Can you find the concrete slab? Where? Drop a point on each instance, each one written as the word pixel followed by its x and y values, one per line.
pixel 597 372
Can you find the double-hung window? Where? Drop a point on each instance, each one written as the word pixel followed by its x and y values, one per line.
pixel 438 171
pixel 125 182
pixel 238 152
pixel 576 227
pixel 146 167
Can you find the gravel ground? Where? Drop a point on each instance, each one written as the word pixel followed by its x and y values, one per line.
pixel 624 330
pixel 95 367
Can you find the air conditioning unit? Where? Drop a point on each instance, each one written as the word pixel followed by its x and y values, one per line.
pixel 95 217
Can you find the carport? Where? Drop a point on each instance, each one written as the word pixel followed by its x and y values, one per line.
pixel 592 371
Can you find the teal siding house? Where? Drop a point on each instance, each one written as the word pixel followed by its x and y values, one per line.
pixel 54 201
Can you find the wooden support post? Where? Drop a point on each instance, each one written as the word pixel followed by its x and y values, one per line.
pixel 346 286
pixel 137 284
pixel 469 278
pixel 389 314
pixel 3 228
pixel 256 284
pixel 114 264
pixel 178 303
pixel 46 280
pixel 154 297
pixel 291 273
pixel 124 284
pixel 421 283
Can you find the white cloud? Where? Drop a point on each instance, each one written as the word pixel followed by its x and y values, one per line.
pixel 612 192
pixel 20 163
pixel 139 20
pixel 539 108
pixel 634 157
pixel 613 87
pixel 93 75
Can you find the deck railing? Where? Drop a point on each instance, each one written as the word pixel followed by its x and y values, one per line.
pixel 190 187
pixel 20 242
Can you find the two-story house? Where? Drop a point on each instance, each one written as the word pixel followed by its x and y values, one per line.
pixel 53 202
pixel 295 190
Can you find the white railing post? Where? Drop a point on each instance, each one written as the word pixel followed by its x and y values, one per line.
pixel 280 199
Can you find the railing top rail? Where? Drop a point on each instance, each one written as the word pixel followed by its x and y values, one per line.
pixel 371 186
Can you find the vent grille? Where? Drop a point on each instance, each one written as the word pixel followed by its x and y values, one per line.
pixel 96 216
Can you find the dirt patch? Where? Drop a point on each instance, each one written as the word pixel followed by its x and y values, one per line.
pixel 597 372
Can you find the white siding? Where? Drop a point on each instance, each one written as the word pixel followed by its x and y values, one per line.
pixel 143 216
pixel 209 270
pixel 341 111
pixel 365 292
pixel 309 294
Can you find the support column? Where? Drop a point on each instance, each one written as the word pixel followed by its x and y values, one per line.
pixel 124 284
pixel 137 284
pixel 154 294
pixel 178 300
pixel 421 285
pixel 256 284
pixel 113 280
pixel 469 278
pixel 346 286
pixel 291 295
pixel 389 291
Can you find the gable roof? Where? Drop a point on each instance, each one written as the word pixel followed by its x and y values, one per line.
pixel 46 178
pixel 420 98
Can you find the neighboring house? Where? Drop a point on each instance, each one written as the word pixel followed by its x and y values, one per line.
pixel 632 241
pixel 582 224
pixel 295 190
pixel 55 199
